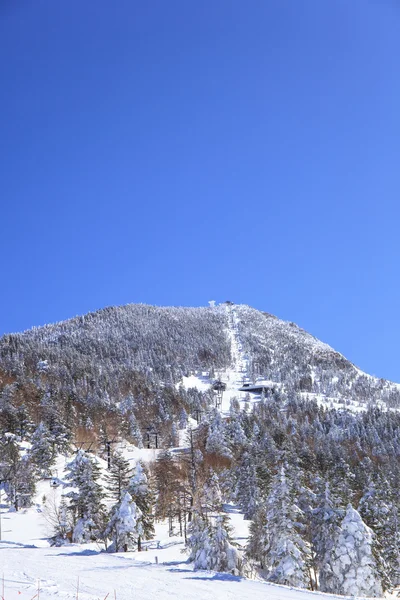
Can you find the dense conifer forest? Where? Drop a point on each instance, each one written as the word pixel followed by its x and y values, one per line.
pixel 313 462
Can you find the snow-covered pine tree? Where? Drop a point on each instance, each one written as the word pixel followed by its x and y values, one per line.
pixel 24 422
pixel 210 547
pixel 142 494
pixel 211 494
pixel 216 441
pixel 223 555
pixel 59 431
pixel 198 543
pixel 258 538
pixel 54 417
pixel 286 554
pixel 42 450
pixel 183 419
pixel 342 479
pixel 130 423
pixel 379 512
pixel 247 493
pixel 124 526
pixel 17 472
pixel 118 476
pixel 354 569
pixel 86 500
pixel 326 519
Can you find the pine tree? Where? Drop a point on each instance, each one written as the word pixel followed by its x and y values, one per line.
pixel 211 498
pixel 59 432
pixel 286 553
pixel 142 494
pixel 118 477
pixel 17 472
pixel 325 526
pixel 198 543
pixel 342 480
pixel 258 539
pixel 216 442
pixel 86 502
pixel 224 557
pixel 124 526
pixel 354 569
pixel 210 547
pixel 25 425
pixel 42 451
pixel 247 492
pixel 378 511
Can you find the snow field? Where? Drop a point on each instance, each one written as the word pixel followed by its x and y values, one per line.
pixel 30 563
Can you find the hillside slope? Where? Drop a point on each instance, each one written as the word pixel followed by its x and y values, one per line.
pixel 132 358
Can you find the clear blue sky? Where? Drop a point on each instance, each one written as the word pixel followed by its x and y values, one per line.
pixel 173 152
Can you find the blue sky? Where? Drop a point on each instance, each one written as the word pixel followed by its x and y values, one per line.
pixel 176 152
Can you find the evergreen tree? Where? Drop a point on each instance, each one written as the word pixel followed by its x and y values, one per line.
pixel 86 500
pixel 354 569
pixel 247 492
pixel 223 556
pixel 25 425
pixel 124 527
pixel 17 472
pixel 378 511
pixel 118 476
pixel 211 494
pixel 142 494
pixel 216 442
pixel 210 548
pixel 286 553
pixel 42 450
pixel 198 543
pixel 258 538
pixel 325 526
pixel 60 434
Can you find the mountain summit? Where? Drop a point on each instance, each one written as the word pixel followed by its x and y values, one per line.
pixel 136 358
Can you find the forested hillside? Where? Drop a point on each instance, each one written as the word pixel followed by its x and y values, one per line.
pixel 310 457
pixel 130 359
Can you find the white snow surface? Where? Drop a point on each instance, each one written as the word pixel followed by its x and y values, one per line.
pixel 27 562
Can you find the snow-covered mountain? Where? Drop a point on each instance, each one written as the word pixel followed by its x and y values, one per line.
pixel 103 357
pixel 249 414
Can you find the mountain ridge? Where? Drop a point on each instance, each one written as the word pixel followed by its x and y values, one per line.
pixel 136 356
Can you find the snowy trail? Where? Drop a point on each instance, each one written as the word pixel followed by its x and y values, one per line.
pixel 240 361
pixel 27 558
pixel 130 575
pixel 233 376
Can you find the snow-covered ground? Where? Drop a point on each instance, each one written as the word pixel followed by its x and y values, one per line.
pixel 32 570
pixel 28 564
pixel 55 571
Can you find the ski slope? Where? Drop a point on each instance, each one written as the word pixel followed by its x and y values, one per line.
pixel 32 569
pixel 234 376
